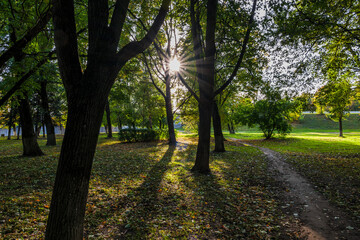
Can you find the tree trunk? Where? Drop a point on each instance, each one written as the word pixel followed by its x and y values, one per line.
pixel 219 137
pixel 203 148
pixel 108 119
pixel 87 92
pixel 50 129
pixel 10 123
pixel 340 127
pixel 205 68
pixel 29 139
pixel 18 133
pixel 232 128
pixel 73 173
pixel 14 128
pixel 169 113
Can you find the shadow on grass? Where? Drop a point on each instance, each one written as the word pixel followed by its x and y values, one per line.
pixel 133 211
pixel 147 204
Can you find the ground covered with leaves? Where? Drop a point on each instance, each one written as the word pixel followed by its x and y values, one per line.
pixel 146 191
pixel 331 163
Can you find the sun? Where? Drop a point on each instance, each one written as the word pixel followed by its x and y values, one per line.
pixel 174 65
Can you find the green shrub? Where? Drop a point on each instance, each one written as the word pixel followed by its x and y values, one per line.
pixel 142 135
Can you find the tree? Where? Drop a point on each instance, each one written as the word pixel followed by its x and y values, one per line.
pixel 336 95
pixel 270 114
pixel 204 57
pixel 28 136
pixel 87 91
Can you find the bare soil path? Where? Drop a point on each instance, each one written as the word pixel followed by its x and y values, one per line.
pixel 320 219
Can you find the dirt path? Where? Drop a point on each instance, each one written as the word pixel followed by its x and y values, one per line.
pixel 320 220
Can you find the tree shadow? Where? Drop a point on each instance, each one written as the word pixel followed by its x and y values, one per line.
pixel 135 209
pixel 147 204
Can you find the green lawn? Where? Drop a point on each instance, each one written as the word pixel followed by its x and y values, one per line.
pixel 146 191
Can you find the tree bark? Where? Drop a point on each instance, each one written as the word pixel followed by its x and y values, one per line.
pixel 169 113
pixel 340 127
pixel 218 134
pixel 29 139
pixel 73 173
pixel 108 119
pixel 205 68
pixel 50 129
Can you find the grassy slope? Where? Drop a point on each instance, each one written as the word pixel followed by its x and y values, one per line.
pixel 321 122
pixel 146 191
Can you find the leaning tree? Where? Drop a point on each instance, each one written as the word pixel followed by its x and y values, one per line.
pixel 87 88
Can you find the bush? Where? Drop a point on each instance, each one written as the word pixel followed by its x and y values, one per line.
pixel 142 135
pixel 273 114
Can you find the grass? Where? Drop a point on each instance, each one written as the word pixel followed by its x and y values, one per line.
pixel 330 162
pixel 321 122
pixel 146 191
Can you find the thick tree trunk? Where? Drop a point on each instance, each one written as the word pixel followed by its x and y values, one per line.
pixel 77 152
pixel 108 119
pixel 29 139
pixel 169 113
pixel 205 68
pixel 50 129
pixel 203 148
pixel 87 93
pixel 219 137
pixel 340 127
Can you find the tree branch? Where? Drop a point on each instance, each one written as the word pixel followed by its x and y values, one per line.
pixel 134 48
pixel 242 53
pixel 151 77
pixel 28 37
pixel 23 79
pixel 188 87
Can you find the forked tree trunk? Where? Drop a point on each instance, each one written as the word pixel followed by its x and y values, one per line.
pixel 29 138
pixel 169 113
pixel 218 134
pixel 205 68
pixel 340 127
pixel 50 129
pixel 87 93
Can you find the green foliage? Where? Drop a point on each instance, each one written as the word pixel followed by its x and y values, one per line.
pixel 336 96
pixel 142 135
pixel 271 114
